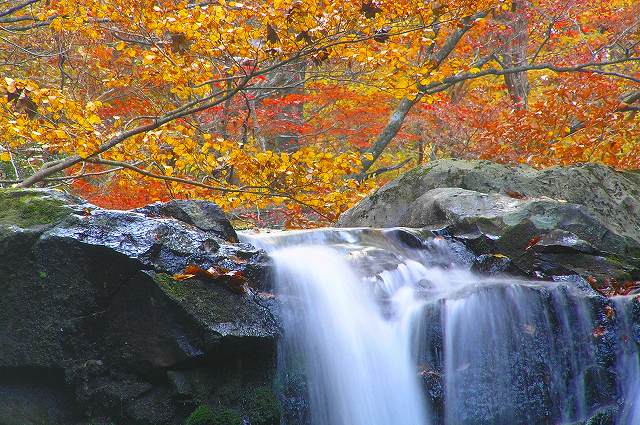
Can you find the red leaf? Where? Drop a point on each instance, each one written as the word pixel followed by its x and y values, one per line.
pixel 533 241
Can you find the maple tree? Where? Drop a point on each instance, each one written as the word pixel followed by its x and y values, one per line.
pixel 286 105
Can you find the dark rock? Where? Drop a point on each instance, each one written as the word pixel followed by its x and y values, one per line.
pixel 180 383
pixel 93 327
pixel 35 396
pixel 203 215
pixel 494 264
pixel 600 384
pixel 604 416
pixel 433 383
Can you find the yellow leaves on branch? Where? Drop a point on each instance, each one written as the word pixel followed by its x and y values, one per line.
pixel 126 62
pixel 47 117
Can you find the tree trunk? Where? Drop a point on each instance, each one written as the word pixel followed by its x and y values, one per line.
pixel 515 55
pixel 405 105
pixel 388 133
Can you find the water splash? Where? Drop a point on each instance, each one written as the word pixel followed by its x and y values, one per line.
pixel 375 320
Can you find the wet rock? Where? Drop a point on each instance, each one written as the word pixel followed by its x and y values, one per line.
pixel 604 416
pixel 494 264
pixel 433 383
pixel 600 384
pixel 91 319
pixel 203 215
pixel 583 219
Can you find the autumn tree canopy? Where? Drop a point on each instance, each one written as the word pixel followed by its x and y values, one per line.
pixel 304 106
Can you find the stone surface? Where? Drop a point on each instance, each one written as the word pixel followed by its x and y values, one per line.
pixel 203 215
pixel 583 219
pixel 94 329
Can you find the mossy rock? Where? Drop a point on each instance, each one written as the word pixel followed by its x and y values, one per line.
pixel 204 415
pixel 264 407
pixel 175 288
pixel 31 208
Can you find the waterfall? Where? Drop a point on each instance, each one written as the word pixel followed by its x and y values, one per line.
pixel 356 355
pixel 628 364
pixel 382 327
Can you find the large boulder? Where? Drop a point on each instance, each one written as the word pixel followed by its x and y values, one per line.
pixel 583 219
pixel 95 329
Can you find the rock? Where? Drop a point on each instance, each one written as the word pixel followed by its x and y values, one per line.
pixel 564 220
pixel 604 416
pixel 494 264
pixel 180 383
pixel 203 215
pixel 93 327
pixel 433 383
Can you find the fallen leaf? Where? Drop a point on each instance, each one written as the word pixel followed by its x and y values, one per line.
pixel 609 312
pixel 516 195
pixel 532 242
pixel 181 276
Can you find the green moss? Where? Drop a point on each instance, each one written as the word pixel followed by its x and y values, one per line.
pixel 24 208
pixel 615 260
pixel 204 415
pixel 605 417
pixel 264 407
pixel 175 288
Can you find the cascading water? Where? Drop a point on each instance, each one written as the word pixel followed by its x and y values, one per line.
pixel 628 363
pixel 384 328
pixel 357 357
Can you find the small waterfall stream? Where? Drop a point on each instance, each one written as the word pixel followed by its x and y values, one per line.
pixel 628 365
pixel 384 328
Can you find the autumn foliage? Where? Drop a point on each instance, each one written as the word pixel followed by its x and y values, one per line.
pixel 300 108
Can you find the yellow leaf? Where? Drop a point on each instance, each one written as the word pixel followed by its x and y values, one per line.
pixel 94 119
pixel 5 156
pixel 120 46
pixel 11 84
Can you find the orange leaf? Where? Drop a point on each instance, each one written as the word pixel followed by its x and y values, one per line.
pixel 180 276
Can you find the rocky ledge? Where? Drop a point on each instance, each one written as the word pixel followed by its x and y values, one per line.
pixel 583 219
pixel 94 329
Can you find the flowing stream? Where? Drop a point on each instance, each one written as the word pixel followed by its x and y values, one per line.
pixel 386 327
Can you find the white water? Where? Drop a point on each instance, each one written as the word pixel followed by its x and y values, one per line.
pixel 354 355
pixel 628 366
pixel 357 355
pixel 358 314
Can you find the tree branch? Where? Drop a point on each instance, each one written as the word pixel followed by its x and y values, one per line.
pixel 17 7
pixel 397 117
pixel 249 190
pixel 383 170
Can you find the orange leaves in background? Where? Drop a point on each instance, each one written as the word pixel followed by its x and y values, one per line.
pixel 285 98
